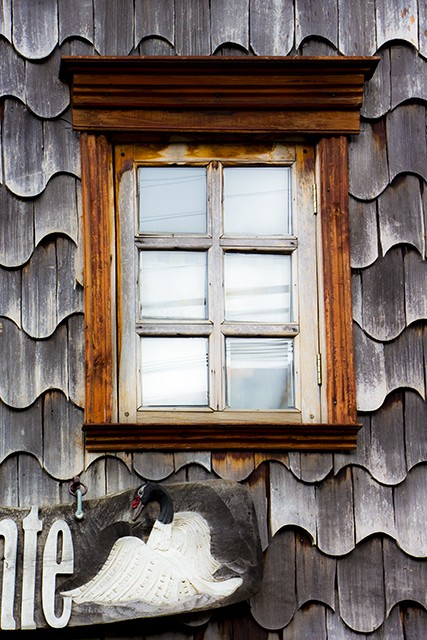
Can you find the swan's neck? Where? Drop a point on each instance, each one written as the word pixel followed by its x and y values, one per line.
pixel 166 506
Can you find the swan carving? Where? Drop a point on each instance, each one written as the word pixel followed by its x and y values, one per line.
pixel 173 570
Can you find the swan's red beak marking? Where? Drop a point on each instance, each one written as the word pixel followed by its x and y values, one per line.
pixel 138 506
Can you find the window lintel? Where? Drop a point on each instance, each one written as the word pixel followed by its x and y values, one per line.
pixel 249 95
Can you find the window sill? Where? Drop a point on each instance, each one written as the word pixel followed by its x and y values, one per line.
pixel 231 435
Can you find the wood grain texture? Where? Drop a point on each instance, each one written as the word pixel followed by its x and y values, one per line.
pixel 383 451
pixel 368 162
pixel 392 628
pixel 369 363
pixel 315 574
pixel 46 365
pixel 415 279
pixel 357 35
pixel 271 27
pixel 61 431
pixel 75 349
pixel 75 24
pixel 16 229
pixel 291 502
pixel 403 195
pixel 274 605
pixel 374 508
pixel 404 577
pixel 415 621
pixel 310 467
pixel 233 466
pixel 56 210
pixel 229 23
pixel 363 233
pixel 316 19
pixel 407 122
pixel 12 72
pixel 411 512
pixel 192 28
pixel 415 428
pixel 341 392
pixel 98 229
pixel 46 95
pixel 39 41
pixel 154 466
pixel 154 20
pixel 21 431
pixel 10 294
pixel 6 19
pixel 404 360
pixel 383 297
pixel 396 20
pixel 411 70
pixel 114 27
pixel 362 605
pixel 309 621
pixel 377 98
pixel 39 292
pixel 54 149
pixel 335 523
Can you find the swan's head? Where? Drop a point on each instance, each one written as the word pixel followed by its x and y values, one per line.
pixel 150 492
pixel 139 501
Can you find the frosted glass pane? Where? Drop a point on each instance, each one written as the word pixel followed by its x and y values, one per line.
pixel 174 372
pixel 173 285
pixel 172 199
pixel 257 287
pixel 259 373
pixel 257 201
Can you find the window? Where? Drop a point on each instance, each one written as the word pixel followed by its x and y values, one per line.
pixel 219 284
pixel 196 101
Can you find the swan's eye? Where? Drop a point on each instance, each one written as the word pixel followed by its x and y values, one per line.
pixel 141 491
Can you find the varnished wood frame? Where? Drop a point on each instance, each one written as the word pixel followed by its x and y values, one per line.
pixel 231 119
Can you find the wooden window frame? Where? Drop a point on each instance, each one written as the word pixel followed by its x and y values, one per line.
pixel 126 99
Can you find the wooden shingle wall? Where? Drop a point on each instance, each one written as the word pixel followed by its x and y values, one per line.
pixel 344 535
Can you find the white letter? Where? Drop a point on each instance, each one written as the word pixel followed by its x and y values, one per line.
pixel 31 525
pixel 52 568
pixel 9 531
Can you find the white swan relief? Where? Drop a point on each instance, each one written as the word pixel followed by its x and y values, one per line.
pixel 174 568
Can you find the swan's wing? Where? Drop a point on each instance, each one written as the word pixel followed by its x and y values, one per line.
pixel 191 536
pixel 115 575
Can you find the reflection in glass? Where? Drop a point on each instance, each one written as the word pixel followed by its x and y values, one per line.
pixel 172 285
pixel 174 372
pixel 257 287
pixel 257 201
pixel 172 199
pixel 259 373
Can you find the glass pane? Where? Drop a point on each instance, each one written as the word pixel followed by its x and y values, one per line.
pixel 174 372
pixel 259 373
pixel 172 199
pixel 257 287
pixel 173 285
pixel 257 201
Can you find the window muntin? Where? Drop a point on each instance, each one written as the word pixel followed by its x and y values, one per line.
pixel 252 299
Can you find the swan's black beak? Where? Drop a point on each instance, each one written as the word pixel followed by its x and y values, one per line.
pixel 137 506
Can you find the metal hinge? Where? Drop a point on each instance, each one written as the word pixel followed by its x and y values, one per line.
pixel 319 368
pixel 314 192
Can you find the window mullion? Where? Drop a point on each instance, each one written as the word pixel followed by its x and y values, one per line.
pixel 215 284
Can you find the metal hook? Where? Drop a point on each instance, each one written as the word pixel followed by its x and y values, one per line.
pixel 77 489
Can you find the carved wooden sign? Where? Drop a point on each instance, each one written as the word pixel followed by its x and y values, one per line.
pixel 153 552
